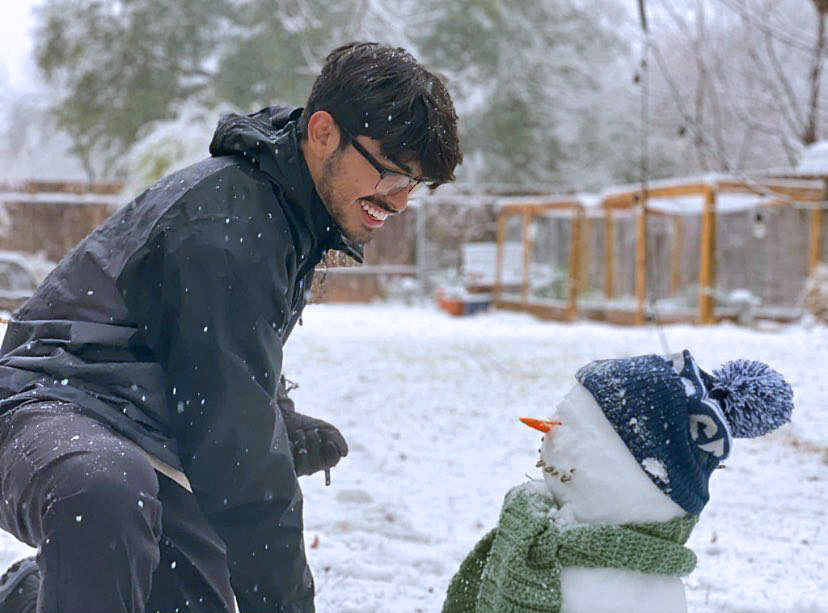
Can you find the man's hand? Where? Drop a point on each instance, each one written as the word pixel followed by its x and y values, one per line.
pixel 315 444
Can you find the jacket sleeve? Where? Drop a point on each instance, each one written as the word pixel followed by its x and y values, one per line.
pixel 223 363
pixel 217 322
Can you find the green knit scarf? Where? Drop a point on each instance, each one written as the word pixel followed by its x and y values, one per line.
pixel 517 566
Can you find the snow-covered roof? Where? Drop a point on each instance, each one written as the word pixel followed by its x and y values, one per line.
pixel 693 205
pixel 718 180
pixel 585 199
pixel 733 193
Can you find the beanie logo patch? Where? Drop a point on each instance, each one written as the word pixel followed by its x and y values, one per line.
pixel 706 433
pixel 705 424
pixel 708 426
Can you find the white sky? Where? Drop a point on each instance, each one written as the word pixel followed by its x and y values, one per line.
pixel 16 25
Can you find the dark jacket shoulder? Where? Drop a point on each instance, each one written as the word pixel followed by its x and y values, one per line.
pixel 171 315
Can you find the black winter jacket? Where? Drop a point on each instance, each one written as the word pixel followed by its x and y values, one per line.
pixel 167 322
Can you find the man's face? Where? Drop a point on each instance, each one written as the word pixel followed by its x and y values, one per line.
pixel 349 185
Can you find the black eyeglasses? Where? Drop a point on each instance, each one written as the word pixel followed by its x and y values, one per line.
pixel 390 181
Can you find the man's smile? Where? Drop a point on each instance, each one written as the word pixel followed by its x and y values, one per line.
pixel 374 211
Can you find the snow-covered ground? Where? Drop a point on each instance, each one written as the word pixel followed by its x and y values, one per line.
pixel 429 405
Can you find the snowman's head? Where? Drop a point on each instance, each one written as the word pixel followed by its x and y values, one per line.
pixel 589 469
pixel 657 422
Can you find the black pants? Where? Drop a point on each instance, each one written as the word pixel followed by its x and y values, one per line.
pixel 112 534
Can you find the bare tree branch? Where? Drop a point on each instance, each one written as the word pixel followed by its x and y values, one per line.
pixel 795 111
pixel 698 103
pixel 790 150
pixel 771 84
pixel 699 137
pixel 810 134
pixel 718 129
pixel 745 147
pixel 793 41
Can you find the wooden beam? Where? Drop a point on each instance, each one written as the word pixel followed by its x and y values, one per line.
pixel 778 203
pixel 609 255
pixel 513 208
pixel 677 249
pixel 572 205
pixel 543 311
pixel 539 205
pixel 790 190
pixel 707 258
pixel 784 191
pixel 641 261
pixel 621 200
pixel 628 199
pixel 501 244
pixel 676 191
pixel 574 265
pixel 815 239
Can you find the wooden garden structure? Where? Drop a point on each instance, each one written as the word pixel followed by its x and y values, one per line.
pixel 670 200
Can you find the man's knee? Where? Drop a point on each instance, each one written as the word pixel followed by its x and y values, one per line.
pixel 101 532
pixel 59 466
pixel 111 492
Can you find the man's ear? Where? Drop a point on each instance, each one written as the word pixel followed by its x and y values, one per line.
pixel 323 134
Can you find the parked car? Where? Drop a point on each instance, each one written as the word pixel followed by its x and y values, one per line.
pixel 20 273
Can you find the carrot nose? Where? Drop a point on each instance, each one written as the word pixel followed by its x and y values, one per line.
pixel 540 424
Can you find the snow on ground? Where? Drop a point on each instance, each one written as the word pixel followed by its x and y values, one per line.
pixel 429 405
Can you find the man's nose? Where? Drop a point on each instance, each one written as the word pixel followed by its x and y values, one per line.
pixel 398 201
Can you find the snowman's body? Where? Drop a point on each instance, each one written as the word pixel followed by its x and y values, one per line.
pixel 595 479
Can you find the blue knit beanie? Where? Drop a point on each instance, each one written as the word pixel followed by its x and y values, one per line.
pixel 678 421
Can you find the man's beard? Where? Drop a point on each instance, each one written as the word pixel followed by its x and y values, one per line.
pixel 325 187
pixel 327 192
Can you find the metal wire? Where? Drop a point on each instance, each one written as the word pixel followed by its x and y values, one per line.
pixel 644 81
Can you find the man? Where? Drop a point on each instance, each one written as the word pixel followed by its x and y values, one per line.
pixel 142 447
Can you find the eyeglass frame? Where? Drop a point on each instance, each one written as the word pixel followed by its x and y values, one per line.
pixel 413 181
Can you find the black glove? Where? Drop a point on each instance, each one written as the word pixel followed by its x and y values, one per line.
pixel 315 444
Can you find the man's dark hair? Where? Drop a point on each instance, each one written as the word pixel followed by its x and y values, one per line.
pixel 383 93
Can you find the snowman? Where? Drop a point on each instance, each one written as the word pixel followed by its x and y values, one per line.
pixel 626 458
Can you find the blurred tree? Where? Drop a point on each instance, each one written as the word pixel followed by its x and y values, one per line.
pixel 527 75
pixel 278 47
pixel 531 80
pixel 122 64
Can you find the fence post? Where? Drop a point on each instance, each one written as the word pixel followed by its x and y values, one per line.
pixel 707 254
pixel 527 248
pixel 815 242
pixel 574 263
pixel 676 252
pixel 501 239
pixel 641 259
pixel 609 255
pixel 585 253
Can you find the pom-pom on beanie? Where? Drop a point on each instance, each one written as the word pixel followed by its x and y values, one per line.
pixel 678 421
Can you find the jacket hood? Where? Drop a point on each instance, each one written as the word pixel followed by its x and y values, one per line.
pixel 251 134
pixel 267 139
